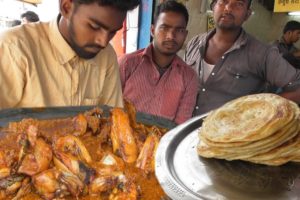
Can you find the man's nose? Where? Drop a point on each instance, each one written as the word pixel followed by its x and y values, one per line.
pixel 229 5
pixel 102 38
pixel 171 33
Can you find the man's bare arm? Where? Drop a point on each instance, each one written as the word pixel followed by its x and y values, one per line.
pixel 292 95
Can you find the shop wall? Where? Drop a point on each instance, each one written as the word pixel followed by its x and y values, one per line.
pixel 265 25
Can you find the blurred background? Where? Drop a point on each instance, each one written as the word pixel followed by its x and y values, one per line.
pixel 266 23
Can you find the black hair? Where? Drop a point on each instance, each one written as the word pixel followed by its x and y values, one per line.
pixel 123 5
pixel 291 26
pixel 15 22
pixel 31 16
pixel 213 2
pixel 171 5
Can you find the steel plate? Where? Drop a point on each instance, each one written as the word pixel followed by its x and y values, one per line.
pixel 185 176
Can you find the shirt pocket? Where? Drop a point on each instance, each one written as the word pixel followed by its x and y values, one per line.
pixel 239 81
pixel 90 101
pixel 236 73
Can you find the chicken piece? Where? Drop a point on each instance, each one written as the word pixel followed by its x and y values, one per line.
pixel 54 183
pixel 109 171
pixel 35 154
pixel 129 107
pixel 24 189
pixel 80 125
pixel 46 183
pixel 103 183
pixel 94 119
pixel 74 185
pixel 71 164
pixel 10 185
pixel 2 195
pixel 53 128
pixel 122 137
pixel 126 190
pixel 146 159
pixel 37 161
pixel 4 167
pixel 73 145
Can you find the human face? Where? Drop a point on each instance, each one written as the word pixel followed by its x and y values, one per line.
pixel 169 33
pixel 24 20
pixel 295 36
pixel 90 27
pixel 231 14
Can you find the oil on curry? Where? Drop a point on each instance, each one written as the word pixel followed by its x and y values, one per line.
pixel 83 157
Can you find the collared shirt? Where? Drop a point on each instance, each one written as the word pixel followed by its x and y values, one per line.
pixel 39 69
pixel 287 50
pixel 244 69
pixel 172 95
pixel 283 47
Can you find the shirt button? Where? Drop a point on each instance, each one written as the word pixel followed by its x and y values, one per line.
pixel 213 74
pixel 197 107
pixel 203 90
pixel 223 57
pixel 290 83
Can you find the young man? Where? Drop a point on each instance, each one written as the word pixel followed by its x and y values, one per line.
pixel 66 62
pixel 155 79
pixel 291 34
pixel 231 63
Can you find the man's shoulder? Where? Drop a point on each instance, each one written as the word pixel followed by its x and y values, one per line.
pixel 196 39
pixel 11 34
pixel 255 43
pixel 24 33
pixel 133 57
pixel 192 50
pixel 184 67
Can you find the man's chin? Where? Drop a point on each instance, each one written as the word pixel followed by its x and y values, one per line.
pixel 87 55
pixel 169 52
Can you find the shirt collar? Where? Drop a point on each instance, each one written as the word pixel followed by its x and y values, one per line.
pixel 241 40
pixel 61 49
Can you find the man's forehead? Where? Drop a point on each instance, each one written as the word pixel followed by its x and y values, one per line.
pixel 246 1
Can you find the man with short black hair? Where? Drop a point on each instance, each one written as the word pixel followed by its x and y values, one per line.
pixel 291 35
pixel 65 62
pixel 155 79
pixel 231 63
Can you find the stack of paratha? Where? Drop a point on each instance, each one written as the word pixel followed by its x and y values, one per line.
pixel 260 128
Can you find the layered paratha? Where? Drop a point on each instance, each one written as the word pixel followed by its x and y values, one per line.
pixel 260 128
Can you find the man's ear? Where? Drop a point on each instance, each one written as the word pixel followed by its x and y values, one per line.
pixel 152 30
pixel 65 7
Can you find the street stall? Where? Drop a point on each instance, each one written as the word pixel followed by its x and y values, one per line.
pixel 89 154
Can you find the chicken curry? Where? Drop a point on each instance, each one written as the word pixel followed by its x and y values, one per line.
pixel 83 157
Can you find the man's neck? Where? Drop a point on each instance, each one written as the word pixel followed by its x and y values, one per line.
pixel 219 43
pixel 162 60
pixel 227 36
